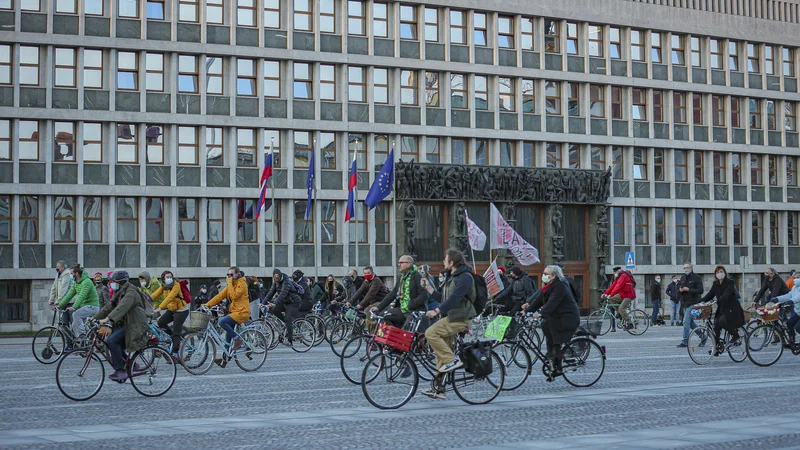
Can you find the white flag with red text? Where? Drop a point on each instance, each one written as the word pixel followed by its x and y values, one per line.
pixel 477 238
pixel 494 285
pixel 503 236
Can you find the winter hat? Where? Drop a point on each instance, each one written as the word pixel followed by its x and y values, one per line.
pixel 216 283
pixel 276 272
pixel 348 278
pixel 203 287
pixel 516 271
pixel 616 268
pixel 120 275
pixel 501 269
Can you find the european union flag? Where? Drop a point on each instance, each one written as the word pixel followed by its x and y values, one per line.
pixel 310 184
pixel 383 184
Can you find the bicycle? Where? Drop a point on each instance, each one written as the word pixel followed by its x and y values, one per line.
pixel 513 351
pixel 80 373
pixel 303 333
pixel 638 320
pixel 345 330
pixel 766 342
pixel 49 343
pixel 199 349
pixel 699 338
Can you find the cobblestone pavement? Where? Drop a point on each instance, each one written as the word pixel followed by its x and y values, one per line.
pixel 651 396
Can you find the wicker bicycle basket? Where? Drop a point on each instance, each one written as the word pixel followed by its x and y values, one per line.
pixel 705 311
pixel 769 315
pixel 198 320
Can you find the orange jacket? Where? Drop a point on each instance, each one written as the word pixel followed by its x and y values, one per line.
pixel 239 308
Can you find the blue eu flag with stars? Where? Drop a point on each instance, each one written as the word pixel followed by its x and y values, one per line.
pixel 383 184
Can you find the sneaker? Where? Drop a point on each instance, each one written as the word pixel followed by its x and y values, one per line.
pixel 613 330
pixel 221 362
pixel 435 394
pixel 68 348
pixel 629 326
pixel 682 345
pixel 451 366
pixel 288 344
pixel 119 376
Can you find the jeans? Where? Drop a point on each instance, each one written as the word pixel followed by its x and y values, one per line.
pixel 78 317
pixel 791 324
pixel 688 323
pixel 116 346
pixel 656 309
pixel 177 318
pixel 675 314
pixel 227 323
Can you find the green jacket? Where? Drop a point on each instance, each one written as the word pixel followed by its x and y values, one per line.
pixel 152 285
pixel 126 309
pixel 84 292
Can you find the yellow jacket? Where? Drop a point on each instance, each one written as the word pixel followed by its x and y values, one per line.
pixel 174 298
pixel 239 308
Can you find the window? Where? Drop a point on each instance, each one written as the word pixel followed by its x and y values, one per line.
pixel 93 69
pixel 681 166
pixel 154 72
pixel 756 170
pixel 431 89
pixel 718 110
pixel 247 225
pixel 639 163
pixel 772 120
pixel 459 149
pixel 28 218
pixel 736 113
pixel 529 154
pixel 188 220
pixel 246 13
pixel 92 219
pixel 303 15
pixel 481 92
pixel 596 41
pixel 528 96
pixel 788 61
pixel 65 67
pixel 408 22
pixel 432 153
pixel 187 146
pixel 793 225
pixel 380 85
pixel 154 138
pixel 245 147
pixel 458 27
pixel 458 91
pixel 26 5
pixel 508 153
pixel 28 140
pixel 272 143
pixel 409 148
pixel 755 114
pixel 699 227
pixel 28 65
pixel 618 161
pixel 618 216
pixel 214 76
pixel 302 148
pixel 552 36
pixel 272 230
pixel 658 106
pixel 791 171
pixel 356 18
pixel 408 87
pixel 719 168
pixel 382 221
pixel 616 102
pixel 214 150
pixel 574 99
pixel 526 25
pixel 552 92
pixel 789 116
pixel 733 56
pixel 5 64
pixel 715 48
pixel 431 25
pixel 358 146
pixel 655 48
pixel 272 13
pixel 155 9
pixel 699 166
pixel 753 58
pixel 214 11
pixel 187 74
pixel 679 107
pixel 327 146
pixel 93 7
pixel 679 50
pixel 661 227
pixel 188 10
pixel 758 227
pixel 769 60
pixel 738 238
pixel 303 81
pixel 381 150
pixel 272 79
pixel 736 168
pixel 64 219
pixel 327 16
pixel 641 225
pixel 66 7
pixel 127 219
pixel 127 143
pixel 356 85
pixel 327 82
pixel 553 154
pixel 246 77
pixel 772 169
pixel 505 32
pixel 639 100
pixel 64 141
pixel 658 164
pixel 697 54
pixel 128 8
pixel 380 20
pixel 681 227
pixel 479 33
pixel 92 142
pixel 303 229
pixel 5 139
pixel 597 100
pixel 507 94
pixel 572 38
pixel 215 220
pixel 574 155
pixel 698 118
pixel 720 227
pixel 598 154
pixel 615 40
pixel 774 234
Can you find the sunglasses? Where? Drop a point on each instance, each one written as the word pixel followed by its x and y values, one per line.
pixel 231 275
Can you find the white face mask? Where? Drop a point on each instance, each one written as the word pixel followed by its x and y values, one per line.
pixel 143 284
pixel 658 280
pixel 545 278
pixel 115 286
pixel 721 276
pixel 687 271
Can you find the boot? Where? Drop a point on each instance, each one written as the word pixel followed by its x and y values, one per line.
pixel 119 376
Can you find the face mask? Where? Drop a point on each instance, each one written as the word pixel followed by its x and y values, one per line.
pixel 368 276
pixel 58 272
pixel 721 276
pixel 72 277
pixel 674 280
pixel 261 286
pixel 441 279
pixel 545 278
pixel 616 275
pixel 114 286
pixel 202 291
pixel 143 284
pixel 658 280
pixel 687 271
pixel 229 280
pixel 168 281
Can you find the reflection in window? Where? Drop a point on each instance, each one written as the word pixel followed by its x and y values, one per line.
pixel 29 218
pixel 215 220
pixel 64 142
pixel 127 143
pixel 214 146
pixel 214 75
pixel 302 148
pixel 246 147
pixel 327 146
pixel 303 81
pixel 246 77
pixel 303 229
pixel 154 218
pixel 328 221
pixel 155 144
pixel 429 239
pixel 64 219
pixel 92 219
pixel 187 220
pixel 247 225
pixel 127 219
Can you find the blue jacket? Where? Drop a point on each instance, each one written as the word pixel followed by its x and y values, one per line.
pixel 793 296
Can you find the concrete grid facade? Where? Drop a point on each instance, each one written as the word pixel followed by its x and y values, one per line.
pixel 133 132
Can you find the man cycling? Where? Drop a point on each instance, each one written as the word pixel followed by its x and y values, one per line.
pixel 284 301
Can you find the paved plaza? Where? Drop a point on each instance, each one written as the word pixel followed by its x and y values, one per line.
pixel 651 396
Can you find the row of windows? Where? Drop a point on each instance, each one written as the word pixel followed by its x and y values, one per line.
pixel 136 218
pixel 662 226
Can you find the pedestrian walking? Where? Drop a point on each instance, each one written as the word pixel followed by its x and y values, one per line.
pixel 655 297
pixel 673 291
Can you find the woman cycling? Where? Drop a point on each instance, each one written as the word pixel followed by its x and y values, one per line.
pixel 239 308
pixel 729 315
pixel 177 310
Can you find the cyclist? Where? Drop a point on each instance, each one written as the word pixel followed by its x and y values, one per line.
pixel 86 303
pixel 127 310
pixel 370 295
pixel 61 285
pixel 331 290
pixel 730 314
pixel 792 297
pixel 101 286
pixel 149 285
pixel 357 280
pixel 408 295
pixel 515 294
pixel 345 296
pixel 306 299
pixel 283 299
pixel 177 310
pixel 238 308
pixel 621 292
pixel 772 283
pixel 691 290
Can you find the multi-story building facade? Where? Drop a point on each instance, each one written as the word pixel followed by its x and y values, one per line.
pixel 133 132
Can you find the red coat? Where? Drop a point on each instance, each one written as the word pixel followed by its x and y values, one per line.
pixel 623 286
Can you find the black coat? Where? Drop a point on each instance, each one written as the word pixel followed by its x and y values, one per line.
pixel 283 292
pixel 695 285
pixel 358 282
pixel 673 290
pixel 655 291
pixel 419 296
pixel 776 286
pixel 517 292
pixel 727 303
pixel 330 295
pixel 559 309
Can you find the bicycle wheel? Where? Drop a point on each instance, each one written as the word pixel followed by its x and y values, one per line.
pixel 319 328
pixel 532 341
pixel 303 335
pixel 355 355
pixel 251 356
pixel 80 375
pixel 599 315
pixel 341 333
pixel 330 322
pixel 516 362
pixel 152 371
pixel 479 390
pixel 737 350
pixel 761 347
pixel 274 332
pixel 197 353
pixel 640 322
pixel 584 362
pixel 389 380
pixel 425 356
pixel 48 345
pixel 701 345
pixel 264 328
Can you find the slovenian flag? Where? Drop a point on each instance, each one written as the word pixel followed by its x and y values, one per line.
pixel 351 205
pixel 266 174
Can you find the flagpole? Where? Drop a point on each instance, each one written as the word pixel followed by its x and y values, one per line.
pixel 274 207
pixel 355 200
pixel 394 210
pixel 314 216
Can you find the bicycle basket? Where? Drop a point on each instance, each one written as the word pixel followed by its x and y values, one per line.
pixel 394 337
pixel 593 327
pixel 477 358
pixel 477 328
pixel 769 314
pixel 701 311
pixel 198 320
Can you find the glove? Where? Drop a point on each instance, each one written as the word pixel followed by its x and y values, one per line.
pixel 104 331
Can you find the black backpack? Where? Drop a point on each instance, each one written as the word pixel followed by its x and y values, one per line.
pixel 481 293
pixel 253 290
pixel 477 358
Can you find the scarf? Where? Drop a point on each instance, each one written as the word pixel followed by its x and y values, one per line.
pixel 405 289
